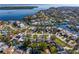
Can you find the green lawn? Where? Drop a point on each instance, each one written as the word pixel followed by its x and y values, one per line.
pixel 39 32
pixel 45 37
pixel 53 49
pixel 61 43
pixel 34 36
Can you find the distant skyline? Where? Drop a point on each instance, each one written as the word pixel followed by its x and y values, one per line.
pixel 47 5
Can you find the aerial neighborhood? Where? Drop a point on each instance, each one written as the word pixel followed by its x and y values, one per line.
pixel 50 31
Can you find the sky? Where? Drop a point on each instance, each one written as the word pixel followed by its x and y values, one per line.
pixel 39 1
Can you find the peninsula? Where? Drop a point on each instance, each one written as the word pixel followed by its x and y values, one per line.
pixel 17 7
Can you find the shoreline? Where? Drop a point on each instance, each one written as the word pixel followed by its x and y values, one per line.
pixel 17 7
